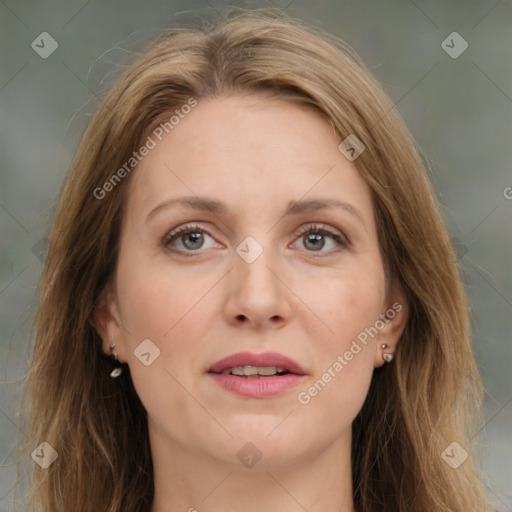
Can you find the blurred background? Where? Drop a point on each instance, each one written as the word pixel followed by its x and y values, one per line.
pixel 446 65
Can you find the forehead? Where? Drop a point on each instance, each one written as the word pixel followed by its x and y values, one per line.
pixel 250 152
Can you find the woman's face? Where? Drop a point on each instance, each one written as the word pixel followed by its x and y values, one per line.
pixel 233 245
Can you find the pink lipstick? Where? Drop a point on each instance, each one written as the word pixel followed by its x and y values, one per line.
pixel 257 375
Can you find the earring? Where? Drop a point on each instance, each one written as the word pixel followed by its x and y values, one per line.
pixel 116 371
pixel 387 357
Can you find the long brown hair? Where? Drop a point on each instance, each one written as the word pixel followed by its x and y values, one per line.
pixel 416 407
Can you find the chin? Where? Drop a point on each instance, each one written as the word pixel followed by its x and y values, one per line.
pixel 266 449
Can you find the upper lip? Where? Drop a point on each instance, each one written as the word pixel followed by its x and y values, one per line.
pixel 251 359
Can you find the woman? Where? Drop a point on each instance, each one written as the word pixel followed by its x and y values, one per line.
pixel 250 300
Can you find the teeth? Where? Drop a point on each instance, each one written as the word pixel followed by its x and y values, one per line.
pixel 251 371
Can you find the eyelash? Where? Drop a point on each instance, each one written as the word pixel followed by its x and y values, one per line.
pixel 314 229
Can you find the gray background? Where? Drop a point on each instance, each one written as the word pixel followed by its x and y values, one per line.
pixel 458 109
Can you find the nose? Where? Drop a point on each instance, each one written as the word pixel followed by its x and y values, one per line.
pixel 257 294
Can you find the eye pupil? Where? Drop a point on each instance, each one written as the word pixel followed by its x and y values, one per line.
pixel 317 241
pixel 194 238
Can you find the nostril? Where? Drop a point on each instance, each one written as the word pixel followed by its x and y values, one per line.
pixel 241 317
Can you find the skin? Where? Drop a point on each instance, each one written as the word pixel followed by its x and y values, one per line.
pixel 256 155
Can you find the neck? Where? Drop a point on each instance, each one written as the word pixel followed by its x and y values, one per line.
pixel 196 482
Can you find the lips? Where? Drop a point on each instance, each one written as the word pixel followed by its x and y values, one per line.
pixel 265 360
pixel 261 376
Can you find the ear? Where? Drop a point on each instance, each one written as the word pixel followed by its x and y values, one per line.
pixel 393 318
pixel 107 322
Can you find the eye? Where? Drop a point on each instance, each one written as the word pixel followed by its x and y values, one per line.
pixel 191 238
pixel 188 238
pixel 315 238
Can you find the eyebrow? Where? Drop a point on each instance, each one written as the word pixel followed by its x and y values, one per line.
pixel 294 207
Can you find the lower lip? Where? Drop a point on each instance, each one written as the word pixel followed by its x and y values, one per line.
pixel 257 388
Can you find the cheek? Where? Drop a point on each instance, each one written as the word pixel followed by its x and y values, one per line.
pixel 349 303
pixel 333 399
pixel 173 310
pixel 157 302
pixel 344 364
